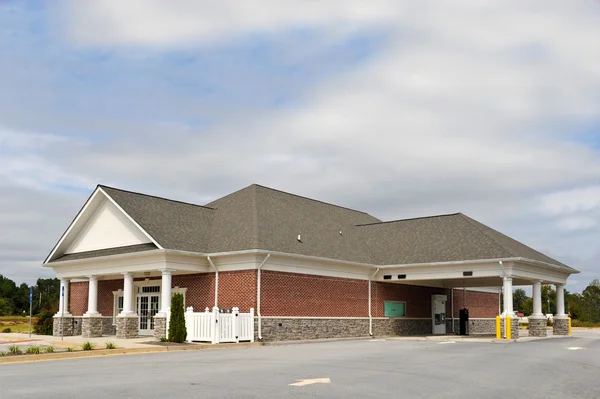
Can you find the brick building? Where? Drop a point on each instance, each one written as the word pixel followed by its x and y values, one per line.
pixel 309 269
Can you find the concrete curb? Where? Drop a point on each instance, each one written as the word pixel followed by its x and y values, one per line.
pixel 119 352
pixel 317 341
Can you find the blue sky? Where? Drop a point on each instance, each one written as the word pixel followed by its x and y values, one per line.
pixel 399 109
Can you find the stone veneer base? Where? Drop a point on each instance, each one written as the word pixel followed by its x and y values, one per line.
pixel 514 331
pixel 561 325
pixel 57 328
pixel 286 329
pixel 160 327
pixel 127 327
pixel 92 327
pixel 537 326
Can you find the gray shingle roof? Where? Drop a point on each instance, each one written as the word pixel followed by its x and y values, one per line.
pixel 442 238
pixel 258 217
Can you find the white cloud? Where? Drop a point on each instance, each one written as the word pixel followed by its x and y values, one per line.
pixel 469 107
pixel 181 22
pixel 571 201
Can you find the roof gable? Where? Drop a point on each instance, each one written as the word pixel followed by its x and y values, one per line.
pixel 173 224
pixel 100 224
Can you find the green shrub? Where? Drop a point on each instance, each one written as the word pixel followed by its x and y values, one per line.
pixel 49 349
pixel 69 349
pixel 164 339
pixel 43 326
pixel 589 324
pixel 177 330
pixel 33 350
pixel 6 330
pixel 14 350
pixel 3 353
pixel 110 345
pixel 88 346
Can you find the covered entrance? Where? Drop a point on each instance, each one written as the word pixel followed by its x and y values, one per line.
pixel 148 305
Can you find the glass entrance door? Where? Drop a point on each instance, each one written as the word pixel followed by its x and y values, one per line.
pixel 148 305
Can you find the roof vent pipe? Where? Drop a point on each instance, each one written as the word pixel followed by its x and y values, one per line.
pixel 299 238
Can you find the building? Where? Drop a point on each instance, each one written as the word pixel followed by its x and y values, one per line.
pixel 309 269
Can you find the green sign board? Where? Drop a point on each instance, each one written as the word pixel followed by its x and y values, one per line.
pixel 394 309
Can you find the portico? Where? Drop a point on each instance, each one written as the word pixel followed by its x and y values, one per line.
pixel 500 274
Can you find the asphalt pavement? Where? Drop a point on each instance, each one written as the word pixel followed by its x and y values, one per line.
pixel 555 368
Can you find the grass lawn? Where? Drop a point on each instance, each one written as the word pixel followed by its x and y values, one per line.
pixel 17 324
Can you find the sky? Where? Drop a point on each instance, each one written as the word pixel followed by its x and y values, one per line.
pixel 398 108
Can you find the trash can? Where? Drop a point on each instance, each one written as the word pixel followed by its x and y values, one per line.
pixel 463 315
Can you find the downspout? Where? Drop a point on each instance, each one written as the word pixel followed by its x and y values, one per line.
pixel 258 296
pixel 216 281
pixel 370 312
pixel 452 309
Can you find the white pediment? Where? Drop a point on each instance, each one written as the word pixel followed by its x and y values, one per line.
pixel 101 224
pixel 108 227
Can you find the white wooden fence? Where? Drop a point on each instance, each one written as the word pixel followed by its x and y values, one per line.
pixel 216 327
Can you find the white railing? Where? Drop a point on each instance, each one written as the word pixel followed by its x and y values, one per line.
pixel 216 327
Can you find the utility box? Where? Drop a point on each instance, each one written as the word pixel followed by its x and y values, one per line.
pixel 463 316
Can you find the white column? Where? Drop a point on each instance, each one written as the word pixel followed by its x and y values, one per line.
pixel 560 300
pixel 64 285
pixel 165 293
pixel 508 297
pixel 127 295
pixel 537 298
pixel 92 297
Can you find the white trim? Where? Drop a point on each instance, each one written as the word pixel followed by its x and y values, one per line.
pixel 131 219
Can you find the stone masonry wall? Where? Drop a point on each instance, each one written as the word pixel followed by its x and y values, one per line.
pixel 160 327
pixel 537 326
pixel 285 329
pixel 91 327
pixel 127 327
pixel 57 326
pixel 561 325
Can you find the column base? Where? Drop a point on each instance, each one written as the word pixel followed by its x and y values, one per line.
pixel 561 325
pixel 91 327
pixel 57 326
pixel 160 327
pixel 537 326
pixel 127 327
pixel 514 326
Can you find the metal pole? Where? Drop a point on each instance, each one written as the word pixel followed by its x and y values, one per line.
pixel 30 308
pixel 62 315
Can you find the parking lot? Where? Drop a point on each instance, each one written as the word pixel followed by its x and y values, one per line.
pixel 565 367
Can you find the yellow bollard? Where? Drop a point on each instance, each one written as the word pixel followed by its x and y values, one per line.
pixel 498 328
pixel 570 328
pixel 508 328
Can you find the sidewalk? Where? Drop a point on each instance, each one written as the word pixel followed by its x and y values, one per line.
pixel 75 342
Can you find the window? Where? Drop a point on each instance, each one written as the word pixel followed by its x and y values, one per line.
pixel 117 304
pixel 394 309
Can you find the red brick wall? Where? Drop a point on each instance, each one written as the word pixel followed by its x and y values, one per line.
pixel 106 298
pixel 238 288
pixel 418 299
pixel 480 304
pixel 291 294
pixel 78 298
pixel 200 289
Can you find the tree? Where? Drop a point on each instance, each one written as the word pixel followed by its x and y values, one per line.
pixel 548 299
pixel 519 298
pixel 177 330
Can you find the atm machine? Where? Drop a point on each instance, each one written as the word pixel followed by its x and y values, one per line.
pixel 438 306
